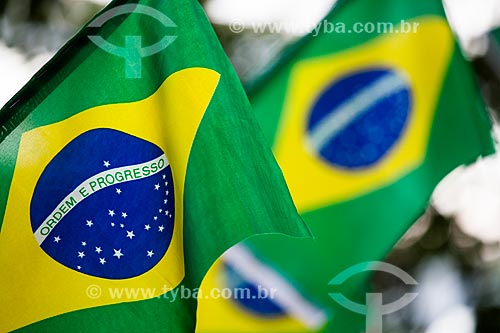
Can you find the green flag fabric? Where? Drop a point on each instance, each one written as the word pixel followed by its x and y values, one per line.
pixel 496 33
pixel 365 118
pixel 129 163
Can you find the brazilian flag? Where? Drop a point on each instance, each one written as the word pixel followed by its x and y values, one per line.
pixel 365 119
pixel 129 163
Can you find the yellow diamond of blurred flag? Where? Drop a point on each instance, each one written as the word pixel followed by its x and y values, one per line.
pixel 366 115
pixel 384 71
pixel 126 173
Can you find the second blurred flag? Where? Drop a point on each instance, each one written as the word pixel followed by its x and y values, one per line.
pixel 365 119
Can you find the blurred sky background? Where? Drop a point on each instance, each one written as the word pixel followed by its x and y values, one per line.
pixel 28 40
pixel 453 251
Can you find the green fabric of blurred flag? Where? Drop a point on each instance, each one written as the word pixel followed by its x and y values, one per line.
pixel 129 163
pixel 365 118
pixel 496 33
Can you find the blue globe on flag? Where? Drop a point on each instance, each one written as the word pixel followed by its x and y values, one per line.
pixel 104 206
pixel 357 120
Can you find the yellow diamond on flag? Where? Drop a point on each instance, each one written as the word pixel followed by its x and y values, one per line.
pixel 61 268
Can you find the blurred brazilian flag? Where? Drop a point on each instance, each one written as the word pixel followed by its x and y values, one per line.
pixel 128 164
pixel 365 119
